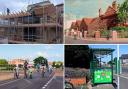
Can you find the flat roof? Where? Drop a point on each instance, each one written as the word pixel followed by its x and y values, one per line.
pixel 102 51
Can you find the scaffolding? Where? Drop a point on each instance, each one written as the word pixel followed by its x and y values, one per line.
pixel 41 23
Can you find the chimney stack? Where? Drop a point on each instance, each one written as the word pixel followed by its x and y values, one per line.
pixel 114 5
pixel 100 12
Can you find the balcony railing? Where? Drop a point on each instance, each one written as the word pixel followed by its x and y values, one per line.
pixel 3 40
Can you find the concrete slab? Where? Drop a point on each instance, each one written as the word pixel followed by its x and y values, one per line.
pixel 104 86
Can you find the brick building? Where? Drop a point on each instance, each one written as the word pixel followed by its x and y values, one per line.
pixel 16 62
pixel 103 21
pixel 41 23
pixel 124 58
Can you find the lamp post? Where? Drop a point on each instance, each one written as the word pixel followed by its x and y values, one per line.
pixel 117 67
pixel 56 24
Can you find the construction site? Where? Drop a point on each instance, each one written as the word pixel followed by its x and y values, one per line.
pixel 40 23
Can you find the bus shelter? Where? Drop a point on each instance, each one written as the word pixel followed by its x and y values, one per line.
pixel 101 70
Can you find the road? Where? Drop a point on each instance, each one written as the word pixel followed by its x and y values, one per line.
pixel 70 40
pixel 123 78
pixel 125 69
pixel 50 81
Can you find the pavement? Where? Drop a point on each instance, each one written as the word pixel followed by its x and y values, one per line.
pixel 70 40
pixel 123 78
pixel 6 76
pixel 104 86
pixel 50 81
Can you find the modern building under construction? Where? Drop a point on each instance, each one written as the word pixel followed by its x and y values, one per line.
pixel 40 23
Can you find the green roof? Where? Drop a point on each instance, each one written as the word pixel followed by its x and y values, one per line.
pixel 102 51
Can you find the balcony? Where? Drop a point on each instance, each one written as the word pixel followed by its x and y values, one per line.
pixel 3 40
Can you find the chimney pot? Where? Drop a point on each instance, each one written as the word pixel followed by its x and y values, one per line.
pixel 100 12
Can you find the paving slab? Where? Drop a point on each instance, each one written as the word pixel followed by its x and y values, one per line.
pixel 104 86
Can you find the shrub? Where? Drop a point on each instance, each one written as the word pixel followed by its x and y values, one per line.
pixel 105 33
pixel 57 64
pixel 119 28
pixel 3 61
pixel 77 72
pixel 84 86
pixel 122 31
pixel 7 67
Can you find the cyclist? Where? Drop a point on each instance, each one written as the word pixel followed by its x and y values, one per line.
pixel 30 72
pixel 50 69
pixel 25 69
pixel 16 72
pixel 43 70
pixel 38 67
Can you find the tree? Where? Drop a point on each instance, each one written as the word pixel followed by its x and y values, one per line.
pixel 113 62
pixel 77 56
pixel 3 62
pixel 123 12
pixel 58 64
pixel 40 60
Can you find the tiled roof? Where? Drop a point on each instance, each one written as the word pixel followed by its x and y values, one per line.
pixel 124 56
pixel 78 22
pixel 95 23
pixel 73 24
pixel 109 12
pixel 87 20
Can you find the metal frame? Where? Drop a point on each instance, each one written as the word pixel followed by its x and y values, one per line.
pixel 40 26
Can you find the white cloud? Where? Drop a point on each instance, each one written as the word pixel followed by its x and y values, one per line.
pixel 44 54
pixel 14 5
pixel 18 5
pixel 58 55
pixel 2 57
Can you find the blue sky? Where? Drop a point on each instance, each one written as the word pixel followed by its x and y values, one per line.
pixel 123 49
pixel 77 9
pixel 106 59
pixel 51 52
pixel 18 5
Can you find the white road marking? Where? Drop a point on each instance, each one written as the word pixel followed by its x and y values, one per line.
pixel 9 82
pixel 48 82
pixel 122 76
pixel 43 87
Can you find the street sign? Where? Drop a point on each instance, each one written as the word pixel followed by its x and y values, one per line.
pixel 102 76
